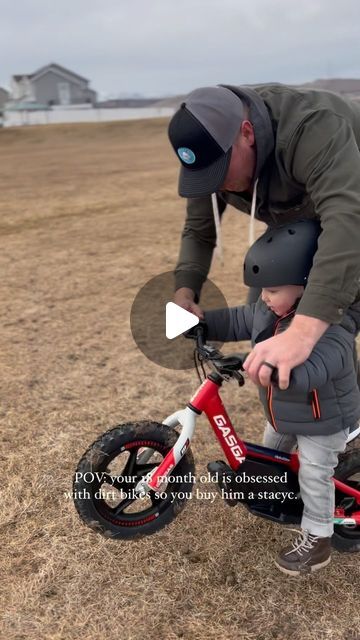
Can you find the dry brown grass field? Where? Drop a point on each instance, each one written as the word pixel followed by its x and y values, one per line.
pixel 88 214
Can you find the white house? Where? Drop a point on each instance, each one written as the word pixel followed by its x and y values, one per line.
pixel 52 85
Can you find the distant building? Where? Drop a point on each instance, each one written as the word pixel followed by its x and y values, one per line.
pixel 52 85
pixel 4 97
pixel 344 86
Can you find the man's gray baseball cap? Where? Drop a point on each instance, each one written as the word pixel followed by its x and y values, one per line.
pixel 202 132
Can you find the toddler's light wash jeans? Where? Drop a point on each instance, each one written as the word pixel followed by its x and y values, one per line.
pixel 318 457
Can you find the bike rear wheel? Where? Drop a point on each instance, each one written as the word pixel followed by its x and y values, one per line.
pixel 109 471
pixel 346 537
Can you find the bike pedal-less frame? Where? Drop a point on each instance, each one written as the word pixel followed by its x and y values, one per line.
pixel 207 400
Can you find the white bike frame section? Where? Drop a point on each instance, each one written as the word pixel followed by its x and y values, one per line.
pixel 353 434
pixel 187 419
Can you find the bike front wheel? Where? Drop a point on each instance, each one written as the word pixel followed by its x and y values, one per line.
pixel 107 474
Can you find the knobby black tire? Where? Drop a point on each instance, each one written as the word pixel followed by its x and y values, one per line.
pixel 345 539
pixel 106 448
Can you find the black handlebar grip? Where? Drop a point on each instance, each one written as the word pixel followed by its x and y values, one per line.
pixel 200 329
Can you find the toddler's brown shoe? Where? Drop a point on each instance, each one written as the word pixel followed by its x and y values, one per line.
pixel 306 554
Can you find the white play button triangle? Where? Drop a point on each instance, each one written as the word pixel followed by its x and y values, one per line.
pixel 178 320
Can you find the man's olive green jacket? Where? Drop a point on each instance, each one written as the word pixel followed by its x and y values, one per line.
pixel 308 165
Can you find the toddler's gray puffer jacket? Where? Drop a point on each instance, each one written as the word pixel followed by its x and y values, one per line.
pixel 323 395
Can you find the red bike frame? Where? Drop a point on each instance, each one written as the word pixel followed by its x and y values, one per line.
pixel 207 400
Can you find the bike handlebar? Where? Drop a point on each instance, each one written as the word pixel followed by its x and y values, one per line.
pixel 226 365
pixel 229 365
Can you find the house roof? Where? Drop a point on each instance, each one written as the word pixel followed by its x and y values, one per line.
pixel 40 71
pixel 21 76
pixel 60 68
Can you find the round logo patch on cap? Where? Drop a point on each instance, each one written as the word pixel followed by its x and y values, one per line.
pixel 186 155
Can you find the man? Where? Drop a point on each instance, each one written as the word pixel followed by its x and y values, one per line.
pixel 282 154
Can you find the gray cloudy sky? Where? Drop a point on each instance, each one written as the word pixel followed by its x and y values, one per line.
pixel 161 47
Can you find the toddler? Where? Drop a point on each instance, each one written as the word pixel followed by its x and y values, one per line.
pixel 322 402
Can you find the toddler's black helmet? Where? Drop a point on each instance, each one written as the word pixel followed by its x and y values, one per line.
pixel 282 256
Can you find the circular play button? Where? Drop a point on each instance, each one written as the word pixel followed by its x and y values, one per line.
pixel 178 320
pixel 157 323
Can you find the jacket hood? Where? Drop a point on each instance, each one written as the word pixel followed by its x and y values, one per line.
pixel 265 143
pixel 260 119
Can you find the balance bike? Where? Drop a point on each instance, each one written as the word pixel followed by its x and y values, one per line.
pixel 136 478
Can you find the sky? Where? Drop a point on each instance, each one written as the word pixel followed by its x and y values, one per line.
pixel 169 47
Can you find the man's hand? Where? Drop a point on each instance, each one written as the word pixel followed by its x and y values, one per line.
pixel 184 297
pixel 284 351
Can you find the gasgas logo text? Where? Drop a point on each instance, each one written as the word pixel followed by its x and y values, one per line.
pixel 229 437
